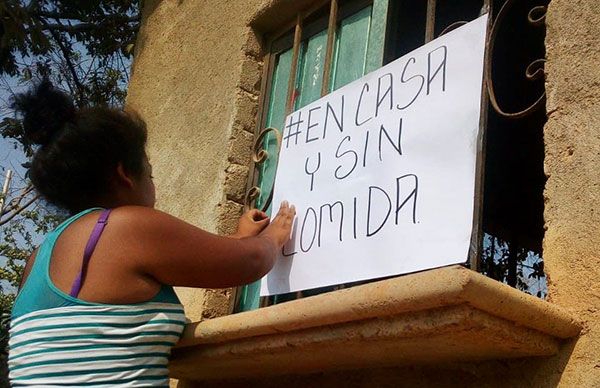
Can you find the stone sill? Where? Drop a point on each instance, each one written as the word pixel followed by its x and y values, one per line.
pixel 450 314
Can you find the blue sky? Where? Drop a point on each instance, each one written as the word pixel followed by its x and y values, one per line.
pixel 10 158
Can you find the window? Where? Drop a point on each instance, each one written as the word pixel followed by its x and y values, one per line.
pixel 335 43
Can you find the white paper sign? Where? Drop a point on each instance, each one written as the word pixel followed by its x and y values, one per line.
pixel 382 171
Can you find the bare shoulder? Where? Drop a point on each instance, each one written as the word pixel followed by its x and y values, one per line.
pixel 136 213
pixel 143 219
pixel 149 234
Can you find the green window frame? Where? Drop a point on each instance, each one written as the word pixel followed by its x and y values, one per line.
pixel 329 48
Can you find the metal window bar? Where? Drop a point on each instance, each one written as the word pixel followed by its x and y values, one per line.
pixel 331 27
pixel 430 22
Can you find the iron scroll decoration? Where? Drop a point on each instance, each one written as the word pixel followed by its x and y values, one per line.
pixel 453 26
pixel 534 71
pixel 259 156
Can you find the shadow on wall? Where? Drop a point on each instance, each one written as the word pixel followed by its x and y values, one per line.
pixel 526 373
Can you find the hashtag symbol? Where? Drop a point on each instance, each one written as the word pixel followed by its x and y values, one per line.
pixel 293 129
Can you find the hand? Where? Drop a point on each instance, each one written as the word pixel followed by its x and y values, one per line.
pixel 251 223
pixel 281 227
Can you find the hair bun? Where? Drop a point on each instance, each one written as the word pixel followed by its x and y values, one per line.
pixel 45 112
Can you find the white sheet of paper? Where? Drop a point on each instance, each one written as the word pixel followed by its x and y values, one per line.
pixel 375 202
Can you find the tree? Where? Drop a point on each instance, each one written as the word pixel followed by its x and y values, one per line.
pixel 514 265
pixel 83 47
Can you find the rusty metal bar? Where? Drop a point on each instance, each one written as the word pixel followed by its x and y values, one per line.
pixel 476 244
pixel 291 97
pixel 265 87
pixel 430 21
pixel 291 94
pixel 331 29
pixel 267 71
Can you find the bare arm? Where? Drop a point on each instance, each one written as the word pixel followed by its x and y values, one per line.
pixel 177 253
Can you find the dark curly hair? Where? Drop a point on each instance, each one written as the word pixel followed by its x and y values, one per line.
pixel 79 149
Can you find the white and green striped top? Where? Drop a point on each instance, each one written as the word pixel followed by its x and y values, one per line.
pixel 58 340
pixel 118 345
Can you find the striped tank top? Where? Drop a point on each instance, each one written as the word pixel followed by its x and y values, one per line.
pixel 58 340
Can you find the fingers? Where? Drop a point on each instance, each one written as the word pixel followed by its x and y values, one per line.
pixel 264 221
pixel 256 215
pixel 284 206
pixel 286 213
pixel 280 227
pixel 291 214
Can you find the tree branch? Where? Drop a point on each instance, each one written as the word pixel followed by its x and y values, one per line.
pixel 58 15
pixel 80 27
pixel 14 203
pixel 67 55
pixel 19 210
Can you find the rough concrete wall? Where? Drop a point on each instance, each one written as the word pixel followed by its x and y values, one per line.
pixel 195 83
pixel 572 164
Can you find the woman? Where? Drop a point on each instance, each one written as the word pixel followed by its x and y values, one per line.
pixel 96 305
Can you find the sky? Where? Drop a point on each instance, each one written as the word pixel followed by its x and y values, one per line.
pixel 10 158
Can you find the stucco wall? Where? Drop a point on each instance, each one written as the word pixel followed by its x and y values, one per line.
pixel 572 164
pixel 195 82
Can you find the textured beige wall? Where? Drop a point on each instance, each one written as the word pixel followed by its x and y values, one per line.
pixel 195 82
pixel 572 164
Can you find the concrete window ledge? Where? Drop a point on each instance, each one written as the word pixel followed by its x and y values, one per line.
pixel 443 315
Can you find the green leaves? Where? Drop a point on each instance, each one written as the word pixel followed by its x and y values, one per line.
pixel 32 28
pixel 4 322
pixel 514 265
pixel 12 128
pixel 84 47
pixel 17 242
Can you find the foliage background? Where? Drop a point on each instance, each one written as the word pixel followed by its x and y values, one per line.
pixel 84 48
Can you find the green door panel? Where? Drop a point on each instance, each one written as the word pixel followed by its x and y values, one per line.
pixel 377 31
pixel 310 74
pixel 351 48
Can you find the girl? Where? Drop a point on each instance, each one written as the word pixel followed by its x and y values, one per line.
pixel 96 305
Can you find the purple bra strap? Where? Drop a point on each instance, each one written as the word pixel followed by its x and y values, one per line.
pixel 89 249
